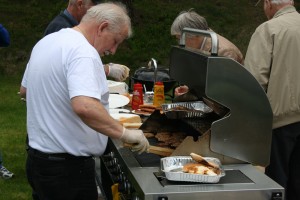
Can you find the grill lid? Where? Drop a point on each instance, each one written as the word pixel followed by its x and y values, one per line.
pixel 244 133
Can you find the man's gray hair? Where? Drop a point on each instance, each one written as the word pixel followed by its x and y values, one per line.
pixel 189 19
pixel 281 1
pixel 277 1
pixel 84 1
pixel 114 13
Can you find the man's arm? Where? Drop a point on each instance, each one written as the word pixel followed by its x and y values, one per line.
pixel 94 115
pixel 259 56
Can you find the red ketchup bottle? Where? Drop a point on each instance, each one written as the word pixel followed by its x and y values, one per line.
pixel 137 96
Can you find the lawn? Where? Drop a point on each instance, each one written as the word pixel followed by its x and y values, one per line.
pixel 12 140
pixel 152 19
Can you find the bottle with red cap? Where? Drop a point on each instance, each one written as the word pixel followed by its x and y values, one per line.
pixel 159 94
pixel 137 96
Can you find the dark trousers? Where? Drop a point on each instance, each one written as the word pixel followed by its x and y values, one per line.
pixel 285 159
pixel 56 177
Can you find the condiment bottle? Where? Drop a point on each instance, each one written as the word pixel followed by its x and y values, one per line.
pixel 159 94
pixel 137 96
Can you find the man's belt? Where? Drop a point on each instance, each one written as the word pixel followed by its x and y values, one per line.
pixel 56 156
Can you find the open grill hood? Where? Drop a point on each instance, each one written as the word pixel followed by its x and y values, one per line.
pixel 245 132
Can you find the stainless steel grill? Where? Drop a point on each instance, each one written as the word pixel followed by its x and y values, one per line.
pixel 240 138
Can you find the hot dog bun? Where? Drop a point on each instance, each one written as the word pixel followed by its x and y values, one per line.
pixel 198 168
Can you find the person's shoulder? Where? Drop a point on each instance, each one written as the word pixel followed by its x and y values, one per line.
pixel 60 19
pixel 266 26
pixel 3 29
pixel 58 23
pixel 277 23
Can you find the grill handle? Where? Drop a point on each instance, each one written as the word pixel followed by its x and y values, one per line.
pixel 211 34
pixel 153 63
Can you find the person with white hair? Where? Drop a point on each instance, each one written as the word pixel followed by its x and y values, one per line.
pixel 71 17
pixel 191 19
pixel 67 95
pixel 273 59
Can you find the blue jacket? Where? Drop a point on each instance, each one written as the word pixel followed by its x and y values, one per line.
pixel 4 37
pixel 59 22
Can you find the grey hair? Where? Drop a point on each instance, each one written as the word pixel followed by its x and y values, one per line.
pixel 72 1
pixel 277 2
pixel 84 1
pixel 281 1
pixel 114 13
pixel 189 19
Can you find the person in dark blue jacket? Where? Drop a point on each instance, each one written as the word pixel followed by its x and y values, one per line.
pixel 4 37
pixel 4 42
pixel 71 17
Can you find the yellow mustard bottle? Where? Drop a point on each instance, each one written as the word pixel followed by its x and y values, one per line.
pixel 159 94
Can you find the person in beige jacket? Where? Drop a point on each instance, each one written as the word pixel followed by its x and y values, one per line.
pixel 273 57
pixel 191 19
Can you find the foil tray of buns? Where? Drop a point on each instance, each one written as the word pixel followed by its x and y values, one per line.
pixel 173 167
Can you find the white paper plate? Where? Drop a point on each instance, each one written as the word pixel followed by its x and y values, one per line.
pixel 118 110
pixel 117 116
pixel 117 87
pixel 144 114
pixel 117 100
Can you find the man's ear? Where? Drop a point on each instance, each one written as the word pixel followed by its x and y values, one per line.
pixel 102 27
pixel 269 4
pixel 79 3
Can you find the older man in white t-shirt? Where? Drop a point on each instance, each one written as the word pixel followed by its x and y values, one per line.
pixel 67 105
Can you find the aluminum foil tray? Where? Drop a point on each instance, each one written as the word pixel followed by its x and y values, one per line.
pixel 190 109
pixel 171 167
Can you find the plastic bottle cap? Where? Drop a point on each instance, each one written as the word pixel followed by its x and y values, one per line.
pixel 137 85
pixel 159 83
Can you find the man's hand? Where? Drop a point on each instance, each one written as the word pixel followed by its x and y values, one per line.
pixel 181 90
pixel 137 138
pixel 118 72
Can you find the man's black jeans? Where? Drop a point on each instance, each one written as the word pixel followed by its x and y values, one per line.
pixel 61 176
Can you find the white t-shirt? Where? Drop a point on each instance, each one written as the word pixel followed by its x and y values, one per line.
pixel 63 65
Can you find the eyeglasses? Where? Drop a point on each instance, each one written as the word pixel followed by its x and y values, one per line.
pixel 257 2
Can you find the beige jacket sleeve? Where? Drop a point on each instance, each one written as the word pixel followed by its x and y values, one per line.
pixel 258 58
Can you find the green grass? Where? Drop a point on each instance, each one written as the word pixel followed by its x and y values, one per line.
pixel 26 21
pixel 12 140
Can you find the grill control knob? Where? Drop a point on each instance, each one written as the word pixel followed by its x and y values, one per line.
pixel 111 163
pixel 115 178
pixel 116 169
pixel 129 188
pixel 123 187
pixel 108 156
pixel 121 177
pixel 134 197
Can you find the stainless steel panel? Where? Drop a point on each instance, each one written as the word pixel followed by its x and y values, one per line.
pixel 244 134
pixel 148 187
